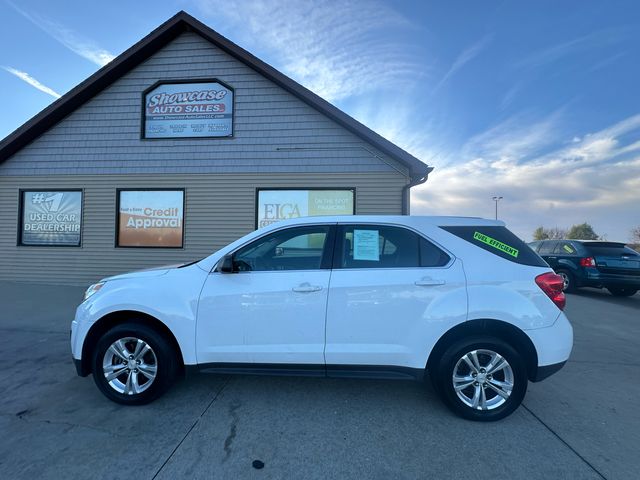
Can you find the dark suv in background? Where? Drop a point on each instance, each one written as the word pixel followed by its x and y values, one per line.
pixel 593 263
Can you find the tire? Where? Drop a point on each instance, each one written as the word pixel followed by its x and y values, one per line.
pixel 569 280
pixel 155 368
pixel 495 406
pixel 622 291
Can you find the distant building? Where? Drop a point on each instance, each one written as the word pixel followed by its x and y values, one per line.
pixel 178 146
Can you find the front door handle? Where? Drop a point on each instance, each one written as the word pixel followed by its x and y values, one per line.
pixel 307 288
pixel 429 282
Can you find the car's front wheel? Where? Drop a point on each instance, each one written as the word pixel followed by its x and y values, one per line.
pixel 481 378
pixel 622 291
pixel 133 364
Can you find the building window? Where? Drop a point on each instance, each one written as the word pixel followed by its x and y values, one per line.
pixel 188 110
pixel 150 218
pixel 274 204
pixel 50 218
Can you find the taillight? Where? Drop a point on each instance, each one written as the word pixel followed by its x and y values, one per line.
pixel 552 285
pixel 587 262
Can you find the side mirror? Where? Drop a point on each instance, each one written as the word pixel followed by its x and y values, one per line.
pixel 226 264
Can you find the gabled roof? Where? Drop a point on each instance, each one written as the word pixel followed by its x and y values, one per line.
pixel 161 36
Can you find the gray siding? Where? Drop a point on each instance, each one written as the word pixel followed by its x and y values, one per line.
pixel 219 209
pixel 274 132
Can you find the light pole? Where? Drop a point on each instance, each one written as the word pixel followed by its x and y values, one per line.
pixel 497 199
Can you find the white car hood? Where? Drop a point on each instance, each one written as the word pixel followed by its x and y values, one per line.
pixel 149 272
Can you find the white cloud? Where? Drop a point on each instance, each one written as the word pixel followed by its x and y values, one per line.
pixel 461 60
pixel 585 43
pixel 73 41
pixel 24 76
pixel 595 179
pixel 336 49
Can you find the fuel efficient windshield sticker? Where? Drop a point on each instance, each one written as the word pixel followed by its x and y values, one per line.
pixel 492 242
pixel 567 248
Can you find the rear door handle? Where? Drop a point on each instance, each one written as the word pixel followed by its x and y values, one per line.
pixel 429 282
pixel 306 288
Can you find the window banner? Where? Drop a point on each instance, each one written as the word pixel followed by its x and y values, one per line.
pixel 277 205
pixel 51 218
pixel 150 218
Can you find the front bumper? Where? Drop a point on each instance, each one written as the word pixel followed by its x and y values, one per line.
pixel 80 370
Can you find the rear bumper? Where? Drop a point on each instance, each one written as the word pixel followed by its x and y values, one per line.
pixel 597 279
pixel 553 346
pixel 546 371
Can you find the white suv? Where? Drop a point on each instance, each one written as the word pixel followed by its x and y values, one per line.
pixel 463 299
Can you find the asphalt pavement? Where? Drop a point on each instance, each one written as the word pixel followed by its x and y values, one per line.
pixel 582 423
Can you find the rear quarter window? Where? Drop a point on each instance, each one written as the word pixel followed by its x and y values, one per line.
pixel 499 241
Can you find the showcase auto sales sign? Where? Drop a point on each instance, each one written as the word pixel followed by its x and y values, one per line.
pixel 175 110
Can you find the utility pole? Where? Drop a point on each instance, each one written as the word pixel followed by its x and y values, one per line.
pixel 497 199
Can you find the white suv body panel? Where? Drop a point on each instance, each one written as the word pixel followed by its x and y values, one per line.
pixel 381 317
pixel 478 285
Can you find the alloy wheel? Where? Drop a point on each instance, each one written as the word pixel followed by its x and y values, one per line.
pixel 565 280
pixel 483 379
pixel 130 366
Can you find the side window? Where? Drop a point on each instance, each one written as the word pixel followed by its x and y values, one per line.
pixel 565 248
pixel 299 248
pixel 432 256
pixel 535 246
pixel 379 246
pixel 547 247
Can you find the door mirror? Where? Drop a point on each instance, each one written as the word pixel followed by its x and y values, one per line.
pixel 226 264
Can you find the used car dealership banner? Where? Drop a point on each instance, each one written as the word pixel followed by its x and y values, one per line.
pixel 150 218
pixel 51 218
pixel 276 205
pixel 188 110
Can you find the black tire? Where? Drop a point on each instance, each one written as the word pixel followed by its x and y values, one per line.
pixel 446 367
pixel 162 356
pixel 622 291
pixel 570 280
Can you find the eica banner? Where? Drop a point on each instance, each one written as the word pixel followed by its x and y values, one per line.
pixel 150 218
pixel 277 205
pixel 51 218
pixel 183 110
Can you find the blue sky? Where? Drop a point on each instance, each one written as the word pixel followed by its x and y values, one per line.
pixel 536 102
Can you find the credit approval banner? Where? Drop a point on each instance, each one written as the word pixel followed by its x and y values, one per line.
pixel 184 110
pixel 150 218
pixel 277 205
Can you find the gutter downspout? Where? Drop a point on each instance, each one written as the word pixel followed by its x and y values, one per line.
pixel 414 181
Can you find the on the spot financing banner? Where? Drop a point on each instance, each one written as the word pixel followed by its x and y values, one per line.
pixel 51 218
pixel 276 205
pixel 151 218
pixel 189 110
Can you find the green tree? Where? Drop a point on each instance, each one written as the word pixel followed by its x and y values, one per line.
pixel 584 231
pixel 554 233
pixel 540 233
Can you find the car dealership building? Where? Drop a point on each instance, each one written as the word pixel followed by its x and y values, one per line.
pixel 180 145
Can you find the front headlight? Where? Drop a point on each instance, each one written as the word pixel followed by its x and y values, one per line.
pixel 95 288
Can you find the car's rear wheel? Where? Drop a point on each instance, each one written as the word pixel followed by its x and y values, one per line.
pixel 481 378
pixel 622 291
pixel 133 364
pixel 568 280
